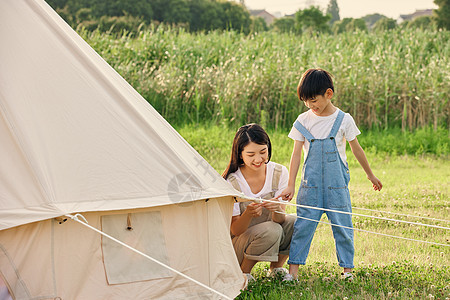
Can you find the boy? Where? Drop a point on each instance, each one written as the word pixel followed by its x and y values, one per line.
pixel 322 131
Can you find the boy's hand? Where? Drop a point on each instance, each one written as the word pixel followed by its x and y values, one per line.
pixel 376 183
pixel 254 210
pixel 287 193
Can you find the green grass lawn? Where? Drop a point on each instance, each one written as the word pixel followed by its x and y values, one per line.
pixel 385 267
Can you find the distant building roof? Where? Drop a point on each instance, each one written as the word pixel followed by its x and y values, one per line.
pixel 416 14
pixel 262 13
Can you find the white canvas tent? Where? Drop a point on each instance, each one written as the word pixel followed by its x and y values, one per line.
pixel 75 137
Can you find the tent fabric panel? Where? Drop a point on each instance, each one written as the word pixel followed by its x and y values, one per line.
pixel 189 229
pixel 15 169
pixel 84 135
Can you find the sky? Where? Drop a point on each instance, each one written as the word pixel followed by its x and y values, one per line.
pixel 347 8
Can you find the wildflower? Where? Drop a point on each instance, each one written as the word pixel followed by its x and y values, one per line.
pixel 389 294
pixel 345 298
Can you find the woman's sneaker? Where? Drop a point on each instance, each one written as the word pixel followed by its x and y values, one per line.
pixel 250 277
pixel 289 277
pixel 278 272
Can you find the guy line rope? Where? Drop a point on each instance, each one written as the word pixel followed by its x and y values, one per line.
pixel 336 225
pixel 400 214
pixel 360 215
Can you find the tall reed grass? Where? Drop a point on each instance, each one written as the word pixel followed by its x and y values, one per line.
pixel 397 78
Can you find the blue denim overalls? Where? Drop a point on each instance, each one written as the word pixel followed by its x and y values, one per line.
pixel 324 184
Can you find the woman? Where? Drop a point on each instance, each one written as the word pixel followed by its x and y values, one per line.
pixel 260 231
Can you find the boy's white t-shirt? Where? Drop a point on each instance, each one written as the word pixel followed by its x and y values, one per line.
pixel 267 188
pixel 320 128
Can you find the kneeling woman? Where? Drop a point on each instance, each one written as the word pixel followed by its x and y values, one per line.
pixel 258 232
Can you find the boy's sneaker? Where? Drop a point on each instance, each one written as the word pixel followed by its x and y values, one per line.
pixel 250 277
pixel 347 276
pixel 277 272
pixel 289 277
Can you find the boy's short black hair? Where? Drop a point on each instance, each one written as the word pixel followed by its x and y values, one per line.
pixel 314 82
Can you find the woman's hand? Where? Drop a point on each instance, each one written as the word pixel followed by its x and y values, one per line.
pixel 254 210
pixel 239 224
pixel 277 209
pixel 272 206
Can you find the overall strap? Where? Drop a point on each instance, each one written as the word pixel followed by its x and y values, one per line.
pixel 303 131
pixel 276 179
pixel 242 205
pixel 232 179
pixel 337 124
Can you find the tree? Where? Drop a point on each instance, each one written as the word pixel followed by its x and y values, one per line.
pixel 234 16
pixel 372 19
pixel 423 22
pixel 286 24
pixel 204 15
pixel 194 14
pixel 349 25
pixel 340 26
pixel 138 8
pixel 443 13
pixel 258 24
pixel 99 8
pixel 333 10
pixel 355 25
pixel 311 19
pixel 384 24
pixel 171 11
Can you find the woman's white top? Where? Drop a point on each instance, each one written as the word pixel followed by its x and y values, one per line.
pixel 320 128
pixel 267 188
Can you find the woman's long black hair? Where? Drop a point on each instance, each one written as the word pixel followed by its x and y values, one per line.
pixel 245 135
